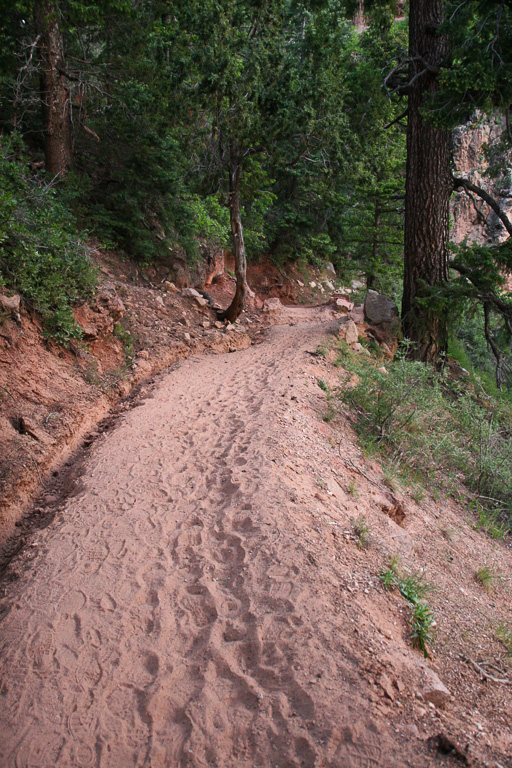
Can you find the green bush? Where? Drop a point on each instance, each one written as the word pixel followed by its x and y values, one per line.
pixel 436 430
pixel 42 257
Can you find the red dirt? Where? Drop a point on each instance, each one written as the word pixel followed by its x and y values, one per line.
pixel 202 598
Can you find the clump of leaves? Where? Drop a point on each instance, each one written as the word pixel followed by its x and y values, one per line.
pixel 414 589
pixel 42 257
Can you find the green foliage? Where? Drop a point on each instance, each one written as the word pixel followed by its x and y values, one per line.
pixel 504 633
pixel 436 430
pixel 362 532
pixel 414 589
pixel 485 576
pixel 41 254
pixel 480 67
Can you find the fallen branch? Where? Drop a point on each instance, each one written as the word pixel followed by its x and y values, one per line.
pixel 485 675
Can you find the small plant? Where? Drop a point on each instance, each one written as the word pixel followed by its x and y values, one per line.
pixel 489 521
pixel 504 633
pixel 413 588
pixel 486 577
pixel 330 413
pixel 362 531
pixel 389 577
pixel 418 494
pixel 352 489
pixel 422 620
pixel 126 340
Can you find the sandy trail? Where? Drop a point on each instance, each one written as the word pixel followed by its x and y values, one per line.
pixel 172 615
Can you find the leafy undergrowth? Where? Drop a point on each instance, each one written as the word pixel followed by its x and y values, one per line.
pixel 432 430
pixel 414 589
pixel 42 256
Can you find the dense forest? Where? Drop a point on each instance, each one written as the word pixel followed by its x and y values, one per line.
pixel 278 128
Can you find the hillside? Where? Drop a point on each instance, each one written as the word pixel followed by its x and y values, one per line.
pixel 209 591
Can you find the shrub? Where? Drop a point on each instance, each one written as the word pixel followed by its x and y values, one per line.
pixel 42 257
pixel 436 430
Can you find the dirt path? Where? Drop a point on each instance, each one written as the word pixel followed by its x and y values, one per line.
pixel 174 614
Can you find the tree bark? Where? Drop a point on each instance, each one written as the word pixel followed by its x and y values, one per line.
pixel 55 97
pixel 428 189
pixel 237 232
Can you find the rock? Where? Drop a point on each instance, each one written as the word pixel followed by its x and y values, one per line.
pixel 382 315
pixel 11 304
pixel 343 305
pixel 357 285
pixel 386 350
pixel 272 305
pixel 252 300
pixel 357 347
pixel 191 293
pixel 330 267
pixel 159 301
pixel 351 333
pixel 143 354
pixel 379 309
pixel 218 324
pixel 99 319
pixel 108 300
pixel 186 336
pixel 205 324
pixel 230 327
pixel 433 689
pixel 201 301
pixel 300 283
pixel 382 370
pixel 329 285
pixel 312 284
pixel 357 314
pixel 412 731
pixel 387 687
pixel 170 287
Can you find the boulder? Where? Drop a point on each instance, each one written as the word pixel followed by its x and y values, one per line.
pixel 349 332
pixel 330 267
pixel 11 304
pixel 191 293
pixel 343 305
pixel 379 309
pixel 99 319
pixel 433 689
pixel 170 287
pixel 272 305
pixel 108 301
pixel 382 316
pixel 357 314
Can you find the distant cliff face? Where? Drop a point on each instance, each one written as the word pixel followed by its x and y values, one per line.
pixel 470 163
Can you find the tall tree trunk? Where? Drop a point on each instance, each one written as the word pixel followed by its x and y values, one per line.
pixel 428 188
pixel 237 231
pixel 55 95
